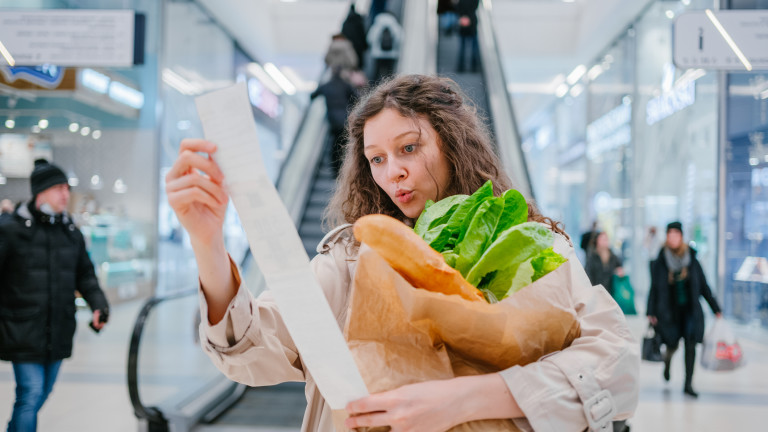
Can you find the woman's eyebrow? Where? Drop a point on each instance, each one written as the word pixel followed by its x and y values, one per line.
pixel 366 146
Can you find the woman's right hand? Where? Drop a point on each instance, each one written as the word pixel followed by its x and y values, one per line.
pixel 652 319
pixel 195 189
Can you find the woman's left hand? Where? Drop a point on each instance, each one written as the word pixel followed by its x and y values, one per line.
pixel 620 271
pixel 427 406
pixel 435 405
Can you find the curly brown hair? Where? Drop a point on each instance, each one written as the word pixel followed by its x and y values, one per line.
pixel 462 136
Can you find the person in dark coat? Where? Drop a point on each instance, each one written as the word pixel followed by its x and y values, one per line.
pixel 339 94
pixel 677 282
pixel 353 29
pixel 43 261
pixel 602 263
pixel 467 12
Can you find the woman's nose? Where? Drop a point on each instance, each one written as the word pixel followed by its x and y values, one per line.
pixel 397 170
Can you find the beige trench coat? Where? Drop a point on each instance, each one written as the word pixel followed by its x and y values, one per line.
pixel 582 387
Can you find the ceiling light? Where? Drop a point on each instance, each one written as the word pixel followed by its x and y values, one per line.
pixel 669 13
pixel 119 187
pixel 685 2
pixel 10 123
pixel 576 90
pixel 73 127
pixel 7 56
pixel 561 90
pixel 95 182
pixel 43 123
pixel 264 78
pixel 280 79
pixel 576 74
pixel 96 134
pixel 85 131
pixel 73 181
pixel 594 72
pixel 728 39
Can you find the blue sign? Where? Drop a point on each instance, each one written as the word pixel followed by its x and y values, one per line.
pixel 47 75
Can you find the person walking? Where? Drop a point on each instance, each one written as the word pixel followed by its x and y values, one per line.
pixel 677 282
pixel 43 261
pixel 339 95
pixel 353 28
pixel 384 38
pixel 467 11
pixel 602 263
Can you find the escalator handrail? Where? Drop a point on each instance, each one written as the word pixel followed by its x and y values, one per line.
pixel 505 123
pixel 155 414
pixel 152 414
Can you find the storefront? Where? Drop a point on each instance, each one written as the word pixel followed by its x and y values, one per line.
pixel 116 131
pixel 98 124
pixel 637 147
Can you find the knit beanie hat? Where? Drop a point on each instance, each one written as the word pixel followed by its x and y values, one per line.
pixel 675 225
pixel 45 175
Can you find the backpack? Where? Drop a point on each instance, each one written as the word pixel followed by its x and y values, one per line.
pixel 387 40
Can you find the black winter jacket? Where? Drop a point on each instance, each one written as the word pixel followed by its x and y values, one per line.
pixel 42 262
pixel 661 300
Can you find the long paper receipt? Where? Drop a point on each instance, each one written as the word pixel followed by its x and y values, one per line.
pixel 228 122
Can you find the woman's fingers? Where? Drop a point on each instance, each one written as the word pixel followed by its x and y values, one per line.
pixel 369 420
pixel 190 159
pixel 195 180
pixel 183 198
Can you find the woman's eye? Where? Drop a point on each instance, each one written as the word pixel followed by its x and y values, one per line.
pixel 410 148
pixel 376 160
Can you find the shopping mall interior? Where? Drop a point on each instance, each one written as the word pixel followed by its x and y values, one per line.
pixel 613 116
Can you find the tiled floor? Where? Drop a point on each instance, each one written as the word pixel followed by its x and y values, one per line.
pixel 91 393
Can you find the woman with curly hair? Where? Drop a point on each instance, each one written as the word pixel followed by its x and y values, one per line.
pixel 411 139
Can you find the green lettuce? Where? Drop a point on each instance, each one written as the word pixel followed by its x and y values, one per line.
pixel 489 240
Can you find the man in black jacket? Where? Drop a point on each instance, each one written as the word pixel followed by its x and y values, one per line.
pixel 43 262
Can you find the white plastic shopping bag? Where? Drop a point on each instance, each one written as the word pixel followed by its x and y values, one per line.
pixel 722 351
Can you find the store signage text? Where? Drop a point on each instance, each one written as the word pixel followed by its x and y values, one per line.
pixel 69 37
pixel 670 102
pixel 760 177
pixel 697 42
pixel 610 131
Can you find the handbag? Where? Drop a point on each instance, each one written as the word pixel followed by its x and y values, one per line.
pixel 652 345
pixel 624 294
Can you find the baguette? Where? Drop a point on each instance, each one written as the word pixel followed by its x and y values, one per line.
pixel 407 253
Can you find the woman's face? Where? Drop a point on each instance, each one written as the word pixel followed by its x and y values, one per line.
pixel 405 160
pixel 602 241
pixel 674 238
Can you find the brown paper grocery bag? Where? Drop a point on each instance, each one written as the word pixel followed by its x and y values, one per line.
pixel 400 335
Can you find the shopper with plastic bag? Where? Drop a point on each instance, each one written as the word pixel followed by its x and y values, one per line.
pixel 677 282
pixel 412 139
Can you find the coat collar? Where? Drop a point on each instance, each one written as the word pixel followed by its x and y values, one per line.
pixel 23 213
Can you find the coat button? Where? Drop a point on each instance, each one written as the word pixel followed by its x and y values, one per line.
pixel 28 223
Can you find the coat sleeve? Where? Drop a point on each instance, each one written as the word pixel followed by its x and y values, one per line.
pixel 590 383
pixel 652 293
pixel 251 343
pixel 87 282
pixel 706 292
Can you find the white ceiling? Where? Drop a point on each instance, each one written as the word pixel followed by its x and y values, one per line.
pixel 539 39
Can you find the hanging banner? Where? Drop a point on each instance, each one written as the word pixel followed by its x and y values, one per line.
pixel 68 37
pixel 725 40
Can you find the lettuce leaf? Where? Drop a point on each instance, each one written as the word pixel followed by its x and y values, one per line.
pixel 512 247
